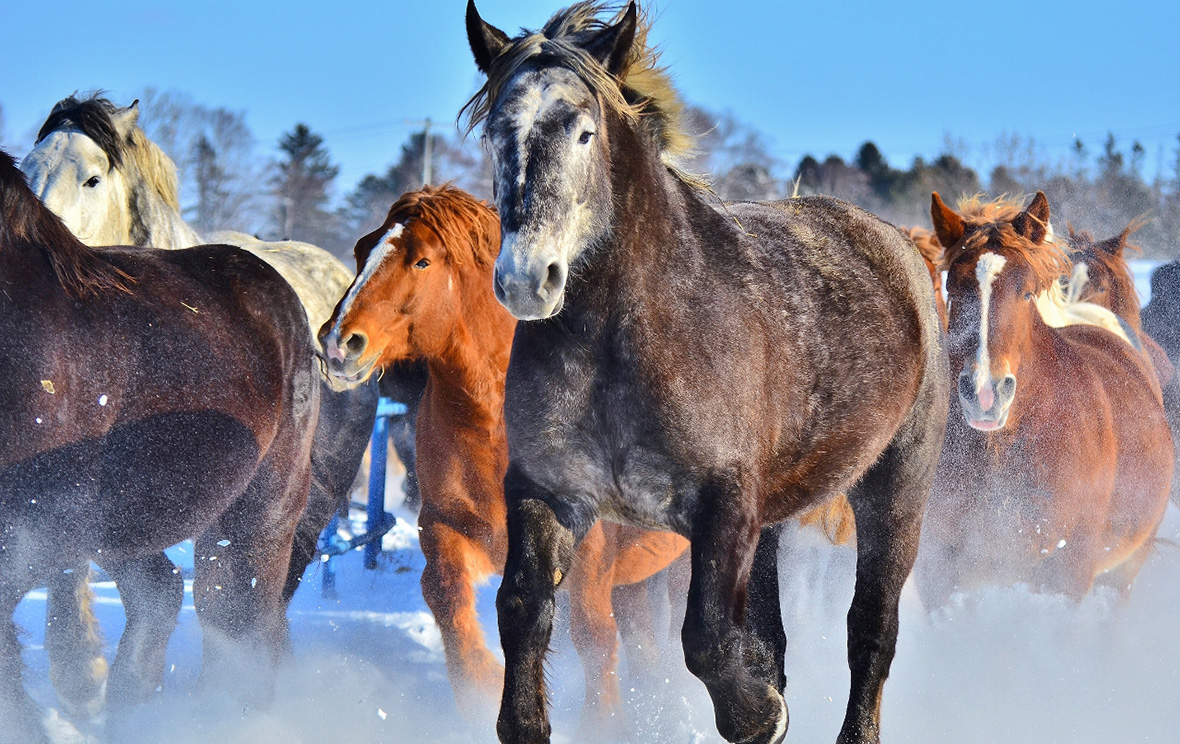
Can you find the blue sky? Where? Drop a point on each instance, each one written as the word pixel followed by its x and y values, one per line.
pixel 818 77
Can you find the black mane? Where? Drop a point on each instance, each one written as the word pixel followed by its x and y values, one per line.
pixel 93 117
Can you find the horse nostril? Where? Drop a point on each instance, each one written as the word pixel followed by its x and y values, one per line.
pixel 355 344
pixel 498 285
pixel 1007 386
pixel 966 386
pixel 554 278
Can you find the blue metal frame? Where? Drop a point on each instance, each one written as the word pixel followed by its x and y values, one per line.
pixel 377 520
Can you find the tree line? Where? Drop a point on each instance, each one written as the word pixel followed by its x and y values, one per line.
pixel 225 184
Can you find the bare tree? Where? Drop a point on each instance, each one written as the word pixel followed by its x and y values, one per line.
pixel 214 151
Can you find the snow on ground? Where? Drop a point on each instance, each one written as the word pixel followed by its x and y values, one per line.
pixel 1004 666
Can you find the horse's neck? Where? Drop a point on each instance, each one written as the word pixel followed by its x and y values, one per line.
pixel 472 364
pixel 653 231
pixel 158 224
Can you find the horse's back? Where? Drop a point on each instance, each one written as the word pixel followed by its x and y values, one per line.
pixel 319 278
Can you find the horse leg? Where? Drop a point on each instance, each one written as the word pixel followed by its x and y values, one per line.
pixel 241 568
pixel 595 636
pixel 453 565
pixel 540 551
pixel 152 590
pixel 766 640
pixel 20 720
pixel 888 503
pixel 341 436
pixel 637 607
pixel 73 643
pixel 725 534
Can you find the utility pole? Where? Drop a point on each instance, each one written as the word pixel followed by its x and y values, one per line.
pixel 427 150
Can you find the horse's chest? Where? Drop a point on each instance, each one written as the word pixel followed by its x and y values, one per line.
pixel 597 445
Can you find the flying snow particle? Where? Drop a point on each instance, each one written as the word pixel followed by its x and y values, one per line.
pixel 1061 543
pixel 102 399
pixel 253 582
pixel 38 419
pixel 382 713
pixel 223 543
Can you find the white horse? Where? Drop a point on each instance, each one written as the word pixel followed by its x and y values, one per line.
pixel 97 170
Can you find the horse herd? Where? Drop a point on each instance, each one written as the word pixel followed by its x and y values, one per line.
pixel 687 374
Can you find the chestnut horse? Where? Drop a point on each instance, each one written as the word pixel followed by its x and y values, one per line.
pixel 1058 457
pixel 711 369
pixel 927 244
pixel 148 397
pixel 1102 276
pixel 424 290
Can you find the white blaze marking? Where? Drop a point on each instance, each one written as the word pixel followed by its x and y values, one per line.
pixel 377 256
pixel 986 270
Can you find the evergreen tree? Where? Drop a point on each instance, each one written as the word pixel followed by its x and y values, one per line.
pixel 302 184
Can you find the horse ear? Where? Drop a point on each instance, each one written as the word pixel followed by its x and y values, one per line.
pixel 486 41
pixel 948 226
pixel 126 119
pixel 1033 222
pixel 612 45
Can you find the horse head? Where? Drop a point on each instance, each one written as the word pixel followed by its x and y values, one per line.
pixel 998 265
pixel 563 110
pixel 76 168
pixel 95 168
pixel 409 288
pixel 1103 276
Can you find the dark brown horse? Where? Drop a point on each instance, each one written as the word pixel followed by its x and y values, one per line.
pixel 424 290
pixel 709 369
pixel 149 396
pixel 1058 457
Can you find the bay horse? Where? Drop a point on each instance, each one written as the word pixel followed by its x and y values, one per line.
pixel 424 290
pixel 149 397
pixel 111 185
pixel 710 369
pixel 1058 457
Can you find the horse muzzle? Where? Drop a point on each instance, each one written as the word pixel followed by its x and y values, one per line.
pixel 345 363
pixel 532 292
pixel 986 407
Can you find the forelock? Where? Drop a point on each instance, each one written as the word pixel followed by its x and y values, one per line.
pixel 93 117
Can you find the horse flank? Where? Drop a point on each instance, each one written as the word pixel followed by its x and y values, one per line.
pixel 26 224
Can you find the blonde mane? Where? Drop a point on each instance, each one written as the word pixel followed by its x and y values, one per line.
pixel 643 92
pixel 153 168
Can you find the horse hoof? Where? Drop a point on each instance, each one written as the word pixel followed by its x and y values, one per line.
pixel 776 731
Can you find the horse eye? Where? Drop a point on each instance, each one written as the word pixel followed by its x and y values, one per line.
pixel 422 264
pixel 584 139
pixel 1028 295
pixel 92 182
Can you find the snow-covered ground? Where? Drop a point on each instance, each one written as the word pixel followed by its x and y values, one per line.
pixel 1003 666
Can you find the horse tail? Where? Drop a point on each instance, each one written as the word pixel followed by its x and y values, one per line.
pixel 834 518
